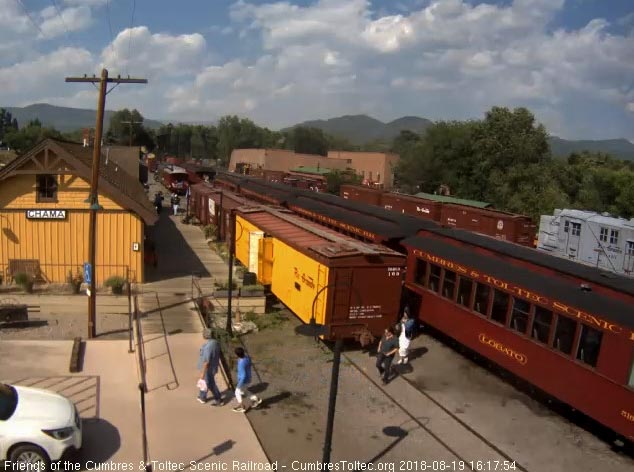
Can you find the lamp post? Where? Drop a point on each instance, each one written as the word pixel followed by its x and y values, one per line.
pixel 315 329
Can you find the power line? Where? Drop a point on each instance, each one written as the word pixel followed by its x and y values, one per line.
pixel 59 13
pixel 26 12
pixel 130 36
pixel 114 51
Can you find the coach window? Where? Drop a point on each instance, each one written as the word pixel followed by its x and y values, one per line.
pixel 449 284
pixel 434 278
pixel 631 382
pixel 464 291
pixel 481 304
pixel 589 345
pixel 603 235
pixel 519 315
pixel 421 272
pixel 500 306
pixel 541 324
pixel 564 334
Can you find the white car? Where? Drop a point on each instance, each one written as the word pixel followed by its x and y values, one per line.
pixel 36 427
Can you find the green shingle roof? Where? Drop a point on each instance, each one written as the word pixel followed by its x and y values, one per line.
pixel 457 201
pixel 312 170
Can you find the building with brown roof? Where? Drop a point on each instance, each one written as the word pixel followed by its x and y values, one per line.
pixel 44 217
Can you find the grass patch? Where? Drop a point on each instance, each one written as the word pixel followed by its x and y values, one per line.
pixel 268 320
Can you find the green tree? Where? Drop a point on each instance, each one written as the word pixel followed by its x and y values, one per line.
pixel 337 178
pixel 305 140
pixel 126 129
pixel 237 133
pixel 23 139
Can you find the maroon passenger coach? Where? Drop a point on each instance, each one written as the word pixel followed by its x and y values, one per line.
pixel 572 337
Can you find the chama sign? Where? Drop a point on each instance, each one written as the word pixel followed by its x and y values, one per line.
pixel 46 214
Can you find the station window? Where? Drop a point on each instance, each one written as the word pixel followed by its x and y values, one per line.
pixel 589 345
pixel 421 272
pixel 434 278
pixel 541 324
pixel 564 334
pixel 464 291
pixel 500 306
pixel 576 229
pixel 603 236
pixel 519 315
pixel 449 284
pixel 629 249
pixel 614 236
pixel 566 226
pixel 481 304
pixel 46 188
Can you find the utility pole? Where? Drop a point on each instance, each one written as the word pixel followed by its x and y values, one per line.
pixel 131 123
pixel 93 198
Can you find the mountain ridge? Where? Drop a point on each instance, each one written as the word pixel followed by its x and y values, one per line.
pixel 358 129
pixel 362 129
pixel 65 119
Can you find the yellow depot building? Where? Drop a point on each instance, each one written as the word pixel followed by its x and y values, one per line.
pixel 44 216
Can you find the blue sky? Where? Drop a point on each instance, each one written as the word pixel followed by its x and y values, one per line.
pixel 570 61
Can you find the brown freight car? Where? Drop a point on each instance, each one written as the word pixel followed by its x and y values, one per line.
pixel 498 224
pixel 223 202
pixel 360 193
pixel 411 205
pixel 200 202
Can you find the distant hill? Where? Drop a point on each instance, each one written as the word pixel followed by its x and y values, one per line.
pixel 65 119
pixel 619 148
pixel 361 129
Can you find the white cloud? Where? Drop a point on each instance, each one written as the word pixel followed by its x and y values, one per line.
pixel 139 51
pixel 91 3
pixel 443 59
pixel 43 78
pixel 66 21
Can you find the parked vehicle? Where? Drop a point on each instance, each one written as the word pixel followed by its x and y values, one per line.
pixel 36 427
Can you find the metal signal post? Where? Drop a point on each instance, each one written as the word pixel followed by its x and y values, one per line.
pixel 93 199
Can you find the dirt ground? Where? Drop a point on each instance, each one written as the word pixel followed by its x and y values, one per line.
pixel 292 375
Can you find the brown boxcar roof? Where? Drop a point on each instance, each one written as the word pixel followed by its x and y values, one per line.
pixel 203 188
pixel 309 237
pixel 487 212
pixel 113 180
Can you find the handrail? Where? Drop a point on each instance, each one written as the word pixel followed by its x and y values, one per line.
pixel 140 347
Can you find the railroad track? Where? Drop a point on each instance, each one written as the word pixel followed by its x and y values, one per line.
pixel 461 458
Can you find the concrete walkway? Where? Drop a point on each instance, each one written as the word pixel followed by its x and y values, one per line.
pixel 106 394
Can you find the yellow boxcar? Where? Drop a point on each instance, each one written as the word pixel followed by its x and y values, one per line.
pixel 344 284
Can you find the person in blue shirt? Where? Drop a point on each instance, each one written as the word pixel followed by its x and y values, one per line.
pixel 208 362
pixel 244 379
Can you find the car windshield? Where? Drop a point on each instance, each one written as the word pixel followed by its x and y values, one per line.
pixel 8 401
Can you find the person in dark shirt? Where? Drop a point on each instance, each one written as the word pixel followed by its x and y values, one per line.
pixel 388 347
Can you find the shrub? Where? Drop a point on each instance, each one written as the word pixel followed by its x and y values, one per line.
pixel 211 231
pixel 115 282
pixel 253 288
pixel 224 285
pixel 22 278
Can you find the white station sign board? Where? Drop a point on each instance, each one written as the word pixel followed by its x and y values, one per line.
pixel 46 214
